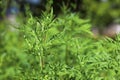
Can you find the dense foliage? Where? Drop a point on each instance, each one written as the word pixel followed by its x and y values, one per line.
pixel 56 48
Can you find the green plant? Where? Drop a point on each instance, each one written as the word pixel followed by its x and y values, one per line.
pixel 62 48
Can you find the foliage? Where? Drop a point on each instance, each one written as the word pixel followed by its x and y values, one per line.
pixel 61 48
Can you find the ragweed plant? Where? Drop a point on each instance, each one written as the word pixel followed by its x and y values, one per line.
pixel 61 48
